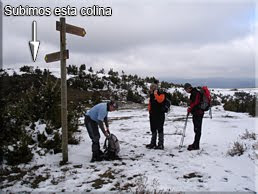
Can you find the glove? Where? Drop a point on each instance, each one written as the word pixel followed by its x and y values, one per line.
pixel 106 134
pixel 107 131
pixel 189 110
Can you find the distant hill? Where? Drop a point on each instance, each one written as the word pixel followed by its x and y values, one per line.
pixel 218 82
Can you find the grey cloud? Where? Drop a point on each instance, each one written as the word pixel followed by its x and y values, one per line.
pixel 147 37
pixel 165 23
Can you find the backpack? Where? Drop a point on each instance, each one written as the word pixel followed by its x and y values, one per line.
pixel 111 147
pixel 166 104
pixel 205 103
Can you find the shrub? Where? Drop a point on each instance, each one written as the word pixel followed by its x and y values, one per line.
pixel 165 85
pixel 20 153
pixel 241 102
pixel 177 98
pixel 82 67
pixel 102 71
pixel 113 73
pixel 141 186
pixel 96 97
pixel 237 149
pixel 72 70
pixel 25 100
pixel 115 80
pixel 98 84
pixel 214 100
pixel 125 86
pixel 151 80
pixel 90 70
pixel 38 71
pixel 54 143
pixel 27 69
pixel 248 135
pixel 134 97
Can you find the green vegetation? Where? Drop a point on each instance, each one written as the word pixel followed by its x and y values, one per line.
pixel 33 99
pixel 27 99
pixel 241 102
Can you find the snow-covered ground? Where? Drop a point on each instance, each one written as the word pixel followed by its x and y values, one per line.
pixel 208 169
pixel 231 92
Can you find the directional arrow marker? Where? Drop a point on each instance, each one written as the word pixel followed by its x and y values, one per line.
pixel 34 44
pixel 56 56
pixel 71 29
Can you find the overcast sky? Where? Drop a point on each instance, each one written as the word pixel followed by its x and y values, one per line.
pixel 167 39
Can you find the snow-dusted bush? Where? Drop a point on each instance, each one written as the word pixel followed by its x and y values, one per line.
pixel 134 97
pixel 98 84
pixel 115 80
pixel 25 100
pixel 214 100
pixel 72 70
pixel 27 69
pixel 177 98
pixel 248 135
pixel 19 153
pixel 237 149
pixel 82 67
pixel 241 102
pixel 141 186
pixel 151 80
pixel 111 72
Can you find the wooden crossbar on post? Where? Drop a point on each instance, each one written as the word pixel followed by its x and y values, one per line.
pixel 71 29
pixel 52 57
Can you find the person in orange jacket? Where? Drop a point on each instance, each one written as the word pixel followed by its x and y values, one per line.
pixel 157 117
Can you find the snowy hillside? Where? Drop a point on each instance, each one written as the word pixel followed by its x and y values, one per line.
pixel 31 138
pixel 209 169
pixel 231 92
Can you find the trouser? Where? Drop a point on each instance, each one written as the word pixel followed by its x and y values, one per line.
pixel 93 131
pixel 197 122
pixel 157 127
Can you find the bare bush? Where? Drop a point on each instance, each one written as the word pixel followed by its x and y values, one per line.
pixel 248 135
pixel 237 149
pixel 141 186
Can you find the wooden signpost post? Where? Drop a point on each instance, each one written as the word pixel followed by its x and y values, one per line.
pixel 62 56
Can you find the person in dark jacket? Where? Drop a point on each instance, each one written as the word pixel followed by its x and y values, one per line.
pixel 197 113
pixel 94 119
pixel 157 117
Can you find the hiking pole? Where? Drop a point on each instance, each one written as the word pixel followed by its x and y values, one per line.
pixel 210 113
pixel 166 115
pixel 182 138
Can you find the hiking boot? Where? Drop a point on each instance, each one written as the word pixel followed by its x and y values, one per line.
pixel 96 157
pixel 150 146
pixel 159 147
pixel 192 147
pixel 101 153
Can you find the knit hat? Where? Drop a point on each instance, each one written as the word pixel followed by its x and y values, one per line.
pixel 187 85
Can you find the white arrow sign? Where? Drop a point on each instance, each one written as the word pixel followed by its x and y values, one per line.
pixel 34 44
